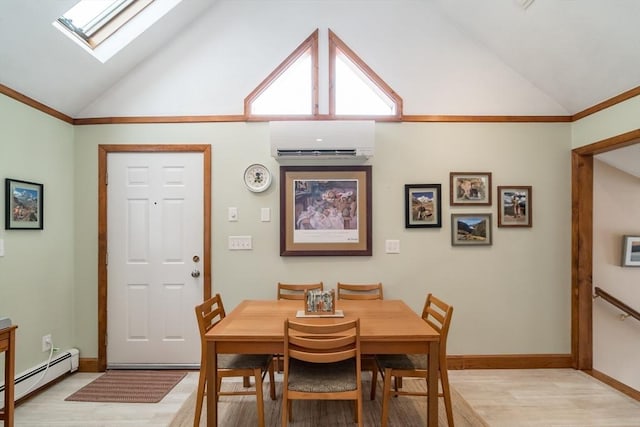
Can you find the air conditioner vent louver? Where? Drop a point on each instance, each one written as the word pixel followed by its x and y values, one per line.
pixel 316 153
pixel 322 140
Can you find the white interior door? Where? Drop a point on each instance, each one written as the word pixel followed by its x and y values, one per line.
pixel 154 234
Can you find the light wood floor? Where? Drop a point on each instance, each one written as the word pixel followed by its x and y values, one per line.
pixel 509 398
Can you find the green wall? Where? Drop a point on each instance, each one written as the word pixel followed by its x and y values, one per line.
pixel 36 273
pixel 48 279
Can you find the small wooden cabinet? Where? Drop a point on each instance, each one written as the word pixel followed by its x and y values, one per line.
pixel 8 347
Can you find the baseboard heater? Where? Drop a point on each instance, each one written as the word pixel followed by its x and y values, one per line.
pixel 62 363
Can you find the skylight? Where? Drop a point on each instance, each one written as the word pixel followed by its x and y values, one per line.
pixel 88 16
pixel 93 21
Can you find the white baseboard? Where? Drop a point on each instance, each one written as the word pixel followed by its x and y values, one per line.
pixel 32 379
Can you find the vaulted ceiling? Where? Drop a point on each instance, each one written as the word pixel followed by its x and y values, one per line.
pixel 578 52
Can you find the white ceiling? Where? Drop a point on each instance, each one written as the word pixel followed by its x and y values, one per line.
pixel 578 52
pixel 626 159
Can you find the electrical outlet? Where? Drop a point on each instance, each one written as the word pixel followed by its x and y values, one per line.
pixel 46 342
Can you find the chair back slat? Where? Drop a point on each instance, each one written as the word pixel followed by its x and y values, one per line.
pixel 351 291
pixel 209 313
pixel 438 314
pixel 293 291
pixel 313 343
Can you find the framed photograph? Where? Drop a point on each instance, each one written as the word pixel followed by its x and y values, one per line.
pixel 319 302
pixel 422 206
pixel 325 210
pixel 23 205
pixel 471 229
pixel 514 206
pixel 631 251
pixel 470 188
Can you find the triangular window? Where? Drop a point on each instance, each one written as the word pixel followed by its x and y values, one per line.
pixel 354 88
pixel 291 90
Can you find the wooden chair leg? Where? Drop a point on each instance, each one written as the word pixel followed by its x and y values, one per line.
pixel 386 394
pixel 398 383
pixel 285 404
pixel 246 382
pixel 202 383
pixel 374 382
pixel 446 392
pixel 257 373
pixel 272 383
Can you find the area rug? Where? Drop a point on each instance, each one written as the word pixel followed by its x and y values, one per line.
pixel 404 411
pixel 125 386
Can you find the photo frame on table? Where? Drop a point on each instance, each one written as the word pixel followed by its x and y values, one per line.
pixel 515 204
pixel 422 205
pixel 325 210
pixel 470 188
pixel 473 229
pixel 631 251
pixel 23 205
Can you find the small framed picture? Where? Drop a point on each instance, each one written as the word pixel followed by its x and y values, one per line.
pixel 422 206
pixel 514 206
pixel 631 251
pixel 470 188
pixel 23 205
pixel 319 302
pixel 471 229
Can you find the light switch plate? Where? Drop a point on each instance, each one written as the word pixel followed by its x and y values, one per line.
pixel 233 214
pixel 265 214
pixel 392 246
pixel 240 243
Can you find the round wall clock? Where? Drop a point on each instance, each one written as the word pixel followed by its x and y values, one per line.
pixel 257 178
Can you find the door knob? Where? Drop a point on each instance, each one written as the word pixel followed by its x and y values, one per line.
pixel 195 273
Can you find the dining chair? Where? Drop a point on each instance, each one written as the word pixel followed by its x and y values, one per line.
pixel 373 291
pixel 437 314
pixel 321 362
pixel 293 291
pixel 209 313
pixel 296 291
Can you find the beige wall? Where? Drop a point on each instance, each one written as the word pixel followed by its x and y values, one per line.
pixel 616 120
pixel 616 208
pixel 36 273
pixel 498 292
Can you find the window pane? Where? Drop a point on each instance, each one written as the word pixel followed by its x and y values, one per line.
pixel 290 93
pixel 89 15
pixel 356 94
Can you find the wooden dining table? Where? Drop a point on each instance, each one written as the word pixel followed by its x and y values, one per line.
pixel 386 327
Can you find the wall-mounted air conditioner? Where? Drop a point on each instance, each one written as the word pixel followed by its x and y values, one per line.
pixel 308 140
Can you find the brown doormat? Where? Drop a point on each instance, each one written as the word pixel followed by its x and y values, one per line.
pixel 129 386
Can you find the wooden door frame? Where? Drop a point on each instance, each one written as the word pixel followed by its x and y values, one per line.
pixel 103 151
pixel 582 244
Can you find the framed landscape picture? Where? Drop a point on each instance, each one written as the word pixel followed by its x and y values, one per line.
pixel 631 251
pixel 471 229
pixel 514 206
pixel 422 206
pixel 470 188
pixel 23 205
pixel 325 210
